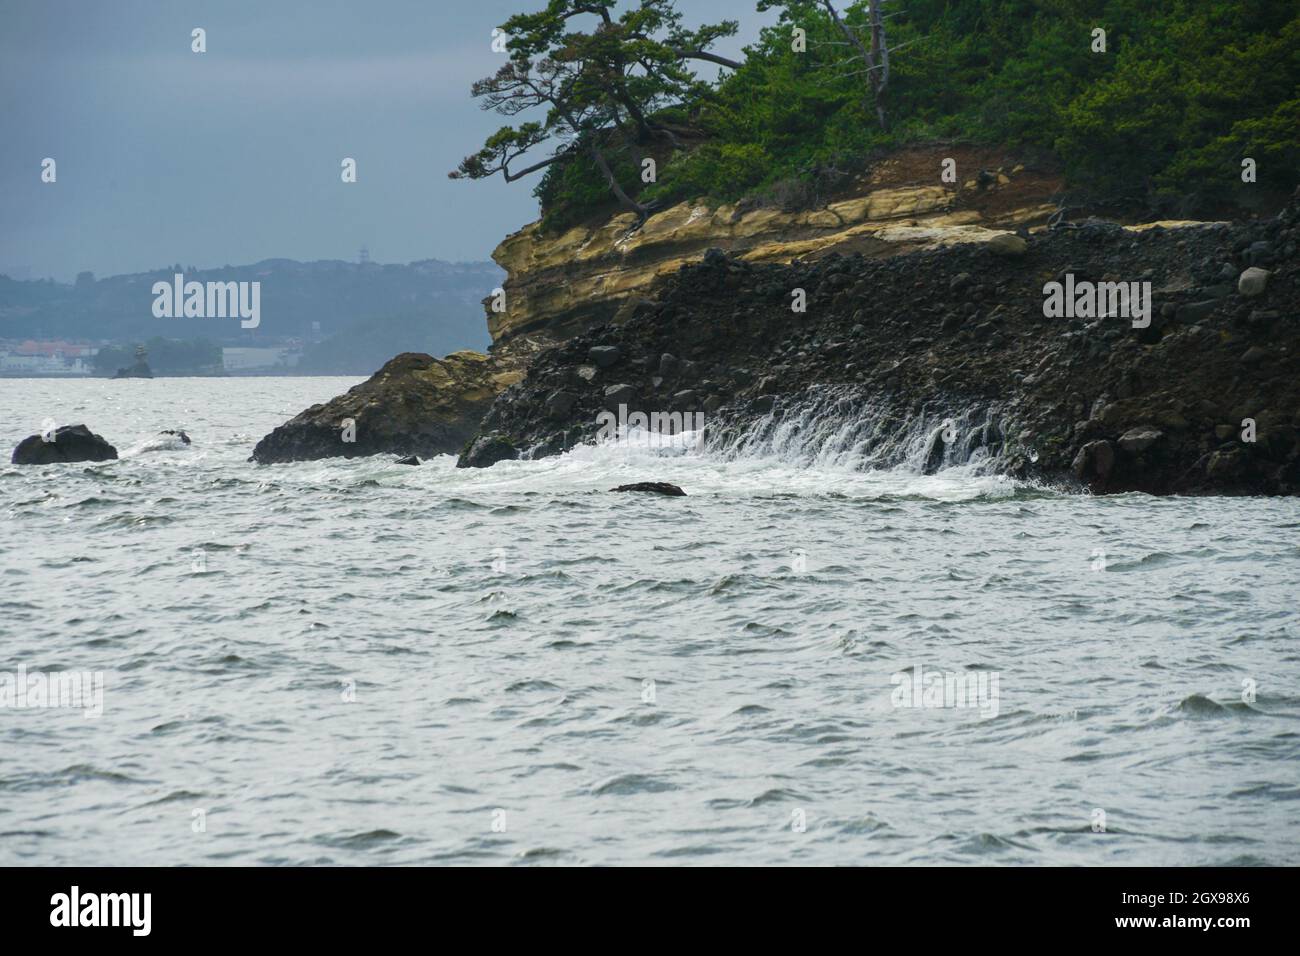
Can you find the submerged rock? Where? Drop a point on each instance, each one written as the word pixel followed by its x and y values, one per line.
pixel 408 460
pixel 654 487
pixel 414 405
pixel 65 444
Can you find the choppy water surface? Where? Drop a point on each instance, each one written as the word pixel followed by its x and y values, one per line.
pixel 547 673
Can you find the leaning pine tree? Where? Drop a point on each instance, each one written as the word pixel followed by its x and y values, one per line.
pixel 597 90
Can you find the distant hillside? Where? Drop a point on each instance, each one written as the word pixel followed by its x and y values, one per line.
pixel 364 313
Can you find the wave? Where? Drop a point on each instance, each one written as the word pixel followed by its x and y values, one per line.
pixel 829 443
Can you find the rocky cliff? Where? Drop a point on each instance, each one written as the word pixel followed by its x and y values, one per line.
pixel 946 354
pixel 598 273
pixel 923 338
pixel 559 286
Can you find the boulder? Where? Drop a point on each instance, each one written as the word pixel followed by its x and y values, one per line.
pixel 653 487
pixel 486 450
pixel 1253 282
pixel 604 355
pixel 561 403
pixel 408 460
pixel 616 395
pixel 65 444
pixel 414 405
pixel 1139 439
pixel 1007 244
pixel 1094 460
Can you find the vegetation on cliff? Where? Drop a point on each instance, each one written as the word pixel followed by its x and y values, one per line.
pixel 1164 116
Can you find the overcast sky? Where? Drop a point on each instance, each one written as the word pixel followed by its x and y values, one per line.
pixel 233 155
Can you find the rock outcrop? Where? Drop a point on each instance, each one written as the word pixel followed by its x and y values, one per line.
pixel 594 274
pixel 140 369
pixel 67 443
pixel 654 488
pixel 415 405
pixel 1201 395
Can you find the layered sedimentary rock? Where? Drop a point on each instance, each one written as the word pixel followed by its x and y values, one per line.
pixel 593 274
pixel 561 285
pixel 1201 395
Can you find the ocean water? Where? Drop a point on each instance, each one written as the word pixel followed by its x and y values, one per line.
pixel 355 662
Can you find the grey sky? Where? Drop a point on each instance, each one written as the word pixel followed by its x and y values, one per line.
pixel 233 155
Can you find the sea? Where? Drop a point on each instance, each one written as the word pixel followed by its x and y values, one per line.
pixel 808 659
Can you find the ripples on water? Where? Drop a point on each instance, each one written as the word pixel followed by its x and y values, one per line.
pixel 501 628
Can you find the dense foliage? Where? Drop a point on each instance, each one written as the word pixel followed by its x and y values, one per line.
pixel 1184 91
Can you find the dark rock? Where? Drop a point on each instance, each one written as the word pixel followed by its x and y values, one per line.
pixel 559 404
pixel 616 395
pixel 486 450
pixel 714 258
pixel 408 460
pixel 1226 465
pixel 1094 460
pixel 414 405
pixel 870 353
pixel 935 454
pixel 655 487
pixel 70 443
pixel 1195 311
pixel 1259 253
pixel 184 438
pixel 604 355
pixel 139 370
pixel 1139 439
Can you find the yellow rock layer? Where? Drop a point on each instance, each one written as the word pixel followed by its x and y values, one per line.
pixel 578 271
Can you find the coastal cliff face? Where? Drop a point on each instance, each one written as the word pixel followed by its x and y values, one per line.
pixel 594 274
pixel 942 356
pixel 923 341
